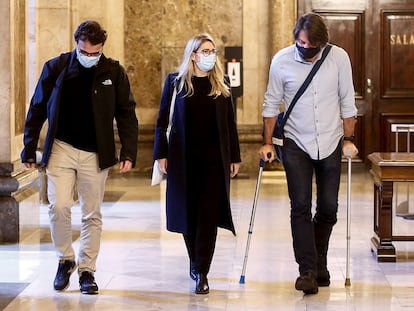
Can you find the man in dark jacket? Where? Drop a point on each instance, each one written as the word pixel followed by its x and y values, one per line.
pixel 80 93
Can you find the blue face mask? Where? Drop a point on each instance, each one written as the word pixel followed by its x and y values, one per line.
pixel 87 61
pixel 206 63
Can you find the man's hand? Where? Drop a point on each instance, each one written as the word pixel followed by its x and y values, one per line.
pixel 349 150
pixel 125 166
pixel 30 165
pixel 267 153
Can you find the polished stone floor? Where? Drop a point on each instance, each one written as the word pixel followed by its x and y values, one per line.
pixel 143 267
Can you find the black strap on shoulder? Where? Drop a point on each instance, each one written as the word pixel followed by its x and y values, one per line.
pixel 304 86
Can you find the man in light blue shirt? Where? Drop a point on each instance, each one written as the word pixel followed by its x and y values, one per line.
pixel 318 131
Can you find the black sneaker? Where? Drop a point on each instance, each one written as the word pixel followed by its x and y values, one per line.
pixel 307 283
pixel 65 269
pixel 87 283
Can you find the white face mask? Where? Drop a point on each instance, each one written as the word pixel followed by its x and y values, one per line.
pixel 206 63
pixel 87 61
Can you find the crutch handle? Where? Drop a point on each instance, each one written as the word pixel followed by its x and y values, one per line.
pixel 348 152
pixel 262 162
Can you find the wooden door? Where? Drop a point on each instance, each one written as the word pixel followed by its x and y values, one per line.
pixel 379 38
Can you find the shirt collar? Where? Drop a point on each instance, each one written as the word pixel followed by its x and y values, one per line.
pixel 299 58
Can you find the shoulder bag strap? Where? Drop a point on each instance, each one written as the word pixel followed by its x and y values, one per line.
pixel 305 85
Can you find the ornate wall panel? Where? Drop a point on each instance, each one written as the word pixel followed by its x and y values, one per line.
pixel 397 74
pixel 346 31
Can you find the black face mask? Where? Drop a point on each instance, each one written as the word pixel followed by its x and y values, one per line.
pixel 307 53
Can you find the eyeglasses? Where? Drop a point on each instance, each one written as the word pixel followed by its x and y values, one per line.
pixel 207 52
pixel 93 54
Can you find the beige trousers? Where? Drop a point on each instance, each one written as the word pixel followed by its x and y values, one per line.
pixel 67 166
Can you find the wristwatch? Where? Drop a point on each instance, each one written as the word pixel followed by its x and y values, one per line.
pixel 350 138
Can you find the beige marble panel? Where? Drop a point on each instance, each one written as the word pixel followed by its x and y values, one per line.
pixel 50 33
pixel 277 17
pixel 54 36
pixel 19 74
pixel 115 22
pixel 282 20
pixel 110 14
pixel 5 81
pixel 255 60
pixel 52 4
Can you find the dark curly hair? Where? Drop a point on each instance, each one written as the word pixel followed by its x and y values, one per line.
pixel 90 31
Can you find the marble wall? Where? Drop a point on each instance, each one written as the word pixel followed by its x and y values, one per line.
pixel 155 36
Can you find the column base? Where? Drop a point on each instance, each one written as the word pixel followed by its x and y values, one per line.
pixel 384 251
pixel 19 204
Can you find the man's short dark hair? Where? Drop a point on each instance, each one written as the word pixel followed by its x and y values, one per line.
pixel 90 31
pixel 314 27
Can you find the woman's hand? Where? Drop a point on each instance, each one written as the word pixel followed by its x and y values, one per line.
pixel 234 169
pixel 162 164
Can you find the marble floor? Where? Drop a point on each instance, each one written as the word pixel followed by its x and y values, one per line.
pixel 143 267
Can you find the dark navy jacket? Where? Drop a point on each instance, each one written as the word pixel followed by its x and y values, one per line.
pixel 111 99
pixel 175 151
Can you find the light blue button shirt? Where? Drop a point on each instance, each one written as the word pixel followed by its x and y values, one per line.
pixel 315 123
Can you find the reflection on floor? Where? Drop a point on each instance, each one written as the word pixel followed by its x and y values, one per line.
pixel 9 291
pixel 144 267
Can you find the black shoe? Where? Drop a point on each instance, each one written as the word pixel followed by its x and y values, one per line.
pixel 324 278
pixel 87 283
pixel 307 283
pixel 201 284
pixel 65 269
pixel 193 272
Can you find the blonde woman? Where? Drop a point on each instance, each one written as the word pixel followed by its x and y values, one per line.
pixel 202 154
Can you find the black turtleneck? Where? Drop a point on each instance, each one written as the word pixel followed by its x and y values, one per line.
pixel 76 124
pixel 201 124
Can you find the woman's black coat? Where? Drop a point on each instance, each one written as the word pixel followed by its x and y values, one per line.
pixel 175 152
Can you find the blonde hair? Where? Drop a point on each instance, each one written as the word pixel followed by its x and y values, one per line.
pixel 186 70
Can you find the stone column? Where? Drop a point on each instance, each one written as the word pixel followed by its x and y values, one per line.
pixel 19 200
pixel 282 19
pixel 267 27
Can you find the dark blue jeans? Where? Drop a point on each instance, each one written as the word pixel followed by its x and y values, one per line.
pixel 299 169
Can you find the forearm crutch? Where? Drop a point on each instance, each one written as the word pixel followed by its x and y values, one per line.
pixel 348 222
pixel 256 195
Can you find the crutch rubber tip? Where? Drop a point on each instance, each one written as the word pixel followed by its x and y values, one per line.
pixel 241 279
pixel 347 282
